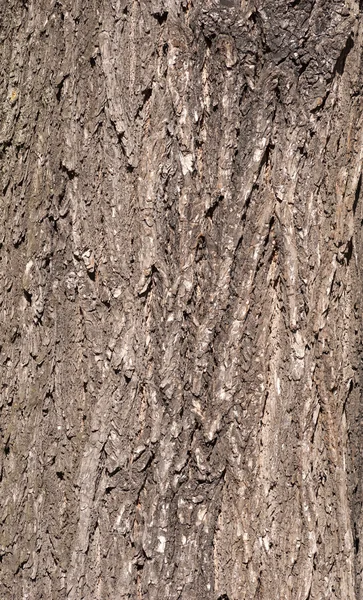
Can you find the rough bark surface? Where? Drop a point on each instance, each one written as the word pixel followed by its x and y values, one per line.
pixel 181 277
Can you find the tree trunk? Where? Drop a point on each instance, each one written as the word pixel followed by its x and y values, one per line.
pixel 180 235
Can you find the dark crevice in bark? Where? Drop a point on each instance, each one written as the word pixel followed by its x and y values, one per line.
pixel 71 173
pixel 266 158
pixel 349 251
pixel 340 64
pixel 350 389
pixel 146 95
pixel 211 210
pixel 209 38
pixel 28 296
pixel 356 538
pixel 357 194
pixel 161 17
pixel 60 88
pixel 254 16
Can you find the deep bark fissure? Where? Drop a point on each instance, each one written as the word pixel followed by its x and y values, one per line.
pixel 180 242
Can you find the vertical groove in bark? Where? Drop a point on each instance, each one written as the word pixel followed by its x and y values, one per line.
pixel 180 243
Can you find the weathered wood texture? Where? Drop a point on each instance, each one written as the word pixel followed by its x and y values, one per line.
pixel 181 276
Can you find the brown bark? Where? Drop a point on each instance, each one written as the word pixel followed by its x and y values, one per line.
pixel 181 305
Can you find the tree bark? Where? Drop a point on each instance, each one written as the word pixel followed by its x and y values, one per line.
pixel 180 236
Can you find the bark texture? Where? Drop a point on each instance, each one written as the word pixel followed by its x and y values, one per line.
pixel 181 276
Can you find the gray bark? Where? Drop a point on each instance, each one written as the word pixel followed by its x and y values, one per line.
pixel 180 244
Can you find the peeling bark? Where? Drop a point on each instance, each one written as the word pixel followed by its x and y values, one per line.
pixel 181 345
